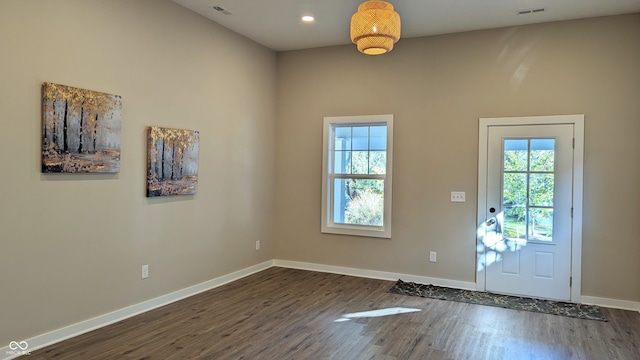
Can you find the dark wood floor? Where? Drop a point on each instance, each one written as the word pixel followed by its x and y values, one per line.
pixel 293 314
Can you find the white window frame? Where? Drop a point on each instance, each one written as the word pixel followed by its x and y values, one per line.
pixel 328 226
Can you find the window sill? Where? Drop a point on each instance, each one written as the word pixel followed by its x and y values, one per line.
pixel 365 231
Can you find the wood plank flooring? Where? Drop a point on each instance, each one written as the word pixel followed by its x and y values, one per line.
pixel 294 314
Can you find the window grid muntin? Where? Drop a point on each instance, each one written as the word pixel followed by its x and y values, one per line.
pixel 369 150
pixel 528 173
pixel 350 175
pixel 383 139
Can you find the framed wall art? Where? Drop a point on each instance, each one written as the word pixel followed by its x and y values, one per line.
pixel 172 162
pixel 80 130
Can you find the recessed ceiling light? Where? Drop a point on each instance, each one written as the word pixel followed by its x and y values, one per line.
pixel 307 18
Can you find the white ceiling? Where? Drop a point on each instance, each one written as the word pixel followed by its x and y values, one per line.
pixel 276 24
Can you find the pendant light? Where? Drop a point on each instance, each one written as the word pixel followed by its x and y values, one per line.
pixel 375 27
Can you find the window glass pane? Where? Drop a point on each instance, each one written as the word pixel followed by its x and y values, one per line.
pixel 342 162
pixel 541 189
pixel 360 138
pixel 342 139
pixel 377 162
pixel 541 224
pixel 515 225
pixel 542 154
pixel 354 200
pixel 340 199
pixel 378 138
pixel 528 188
pixel 514 189
pixel 360 162
pixel 515 154
pixel 360 202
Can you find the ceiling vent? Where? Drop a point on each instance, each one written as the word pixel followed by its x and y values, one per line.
pixel 220 9
pixel 530 11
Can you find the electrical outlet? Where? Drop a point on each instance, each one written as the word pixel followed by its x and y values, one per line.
pixel 458 196
pixel 257 245
pixel 433 256
pixel 145 271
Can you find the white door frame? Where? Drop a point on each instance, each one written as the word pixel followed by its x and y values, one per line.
pixel 578 172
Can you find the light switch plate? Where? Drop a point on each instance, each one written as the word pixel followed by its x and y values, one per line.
pixel 458 196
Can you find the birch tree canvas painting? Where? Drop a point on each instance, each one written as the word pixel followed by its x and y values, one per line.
pixel 172 162
pixel 80 130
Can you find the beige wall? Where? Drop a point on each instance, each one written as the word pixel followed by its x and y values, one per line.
pixel 71 246
pixel 438 87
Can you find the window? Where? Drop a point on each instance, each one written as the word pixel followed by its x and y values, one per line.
pixel 528 173
pixel 356 175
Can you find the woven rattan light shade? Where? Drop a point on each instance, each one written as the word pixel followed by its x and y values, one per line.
pixel 375 27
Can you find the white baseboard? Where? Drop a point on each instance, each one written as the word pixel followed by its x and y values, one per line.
pixel 611 303
pixel 373 274
pixel 41 341
pixel 82 327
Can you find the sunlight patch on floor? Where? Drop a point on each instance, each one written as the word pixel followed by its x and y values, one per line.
pixel 377 313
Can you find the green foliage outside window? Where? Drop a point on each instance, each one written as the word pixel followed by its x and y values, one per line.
pixel 365 205
pixel 518 199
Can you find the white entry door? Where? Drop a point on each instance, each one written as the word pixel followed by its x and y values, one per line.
pixel 529 209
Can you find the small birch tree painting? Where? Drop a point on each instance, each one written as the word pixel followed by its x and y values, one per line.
pixel 80 130
pixel 172 162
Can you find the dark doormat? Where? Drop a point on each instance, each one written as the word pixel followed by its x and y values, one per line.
pixel 589 312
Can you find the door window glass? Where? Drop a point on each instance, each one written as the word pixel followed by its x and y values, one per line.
pixel 528 188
